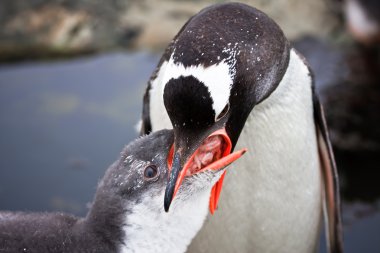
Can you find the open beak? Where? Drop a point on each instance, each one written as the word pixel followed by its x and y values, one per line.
pixel 213 154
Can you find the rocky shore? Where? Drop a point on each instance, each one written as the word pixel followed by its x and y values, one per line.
pixel 58 28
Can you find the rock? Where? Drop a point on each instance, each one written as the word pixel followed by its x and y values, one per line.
pixel 38 28
pixel 161 20
pixel 52 25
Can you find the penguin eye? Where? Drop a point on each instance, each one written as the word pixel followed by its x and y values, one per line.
pixel 224 112
pixel 151 173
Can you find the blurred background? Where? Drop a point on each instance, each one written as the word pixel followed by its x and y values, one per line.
pixel 73 72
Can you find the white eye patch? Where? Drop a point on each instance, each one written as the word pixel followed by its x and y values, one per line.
pixel 216 78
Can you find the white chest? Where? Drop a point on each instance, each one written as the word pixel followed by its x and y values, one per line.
pixel 149 229
pixel 271 199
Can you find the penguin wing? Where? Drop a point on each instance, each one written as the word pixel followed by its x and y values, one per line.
pixel 332 212
pixel 146 126
pixel 146 123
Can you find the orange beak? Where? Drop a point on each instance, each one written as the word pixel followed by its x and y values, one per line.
pixel 177 175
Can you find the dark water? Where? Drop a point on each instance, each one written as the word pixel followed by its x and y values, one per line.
pixel 63 123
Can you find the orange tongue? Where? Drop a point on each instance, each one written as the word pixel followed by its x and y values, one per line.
pixel 217 188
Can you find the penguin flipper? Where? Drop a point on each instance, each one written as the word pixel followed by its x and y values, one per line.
pixel 146 123
pixel 332 210
pixel 146 126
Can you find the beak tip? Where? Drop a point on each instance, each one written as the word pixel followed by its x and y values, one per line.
pixel 170 190
pixel 168 198
pixel 166 206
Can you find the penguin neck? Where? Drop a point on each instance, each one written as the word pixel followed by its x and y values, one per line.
pixel 281 170
pixel 105 218
pixel 148 228
pixel 280 132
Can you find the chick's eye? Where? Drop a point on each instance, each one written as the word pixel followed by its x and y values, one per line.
pixel 150 172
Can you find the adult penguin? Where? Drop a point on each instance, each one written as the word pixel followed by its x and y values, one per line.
pixel 230 79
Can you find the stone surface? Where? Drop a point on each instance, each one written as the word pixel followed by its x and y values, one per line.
pixel 37 28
